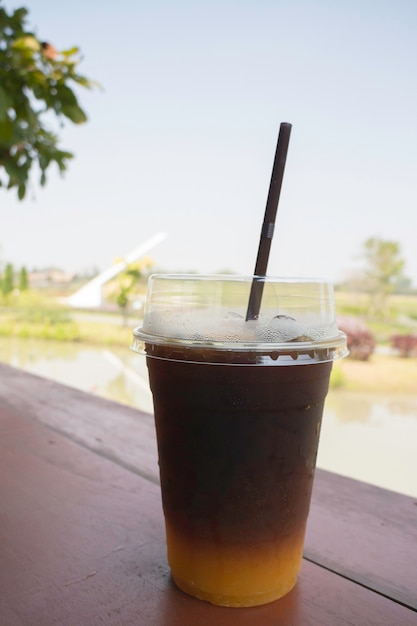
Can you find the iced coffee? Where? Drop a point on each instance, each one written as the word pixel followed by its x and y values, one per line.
pixel 238 407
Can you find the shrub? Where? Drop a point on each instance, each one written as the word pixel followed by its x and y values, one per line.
pixel 360 340
pixel 406 345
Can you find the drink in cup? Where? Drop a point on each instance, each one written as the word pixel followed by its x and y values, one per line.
pixel 238 407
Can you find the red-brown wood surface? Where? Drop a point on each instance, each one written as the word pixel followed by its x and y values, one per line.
pixel 82 542
pixel 115 431
pixel 81 528
pixel 367 533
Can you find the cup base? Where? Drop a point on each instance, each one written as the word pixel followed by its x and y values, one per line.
pixel 235 575
pixel 234 602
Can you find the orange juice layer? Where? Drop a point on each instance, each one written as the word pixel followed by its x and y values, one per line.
pixel 232 574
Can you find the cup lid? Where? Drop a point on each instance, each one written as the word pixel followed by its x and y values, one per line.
pixel 191 312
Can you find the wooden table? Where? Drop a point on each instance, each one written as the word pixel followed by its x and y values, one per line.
pixel 82 537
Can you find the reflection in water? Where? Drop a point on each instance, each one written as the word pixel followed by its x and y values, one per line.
pixel 351 408
pixel 117 389
pixel 365 436
pixel 365 407
pixel 406 407
pixel 372 438
pixel 117 374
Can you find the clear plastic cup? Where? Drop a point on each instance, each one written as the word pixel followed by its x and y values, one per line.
pixel 238 407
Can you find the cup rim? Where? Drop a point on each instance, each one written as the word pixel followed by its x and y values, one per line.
pixel 329 349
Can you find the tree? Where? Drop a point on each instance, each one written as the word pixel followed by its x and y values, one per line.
pixel 23 279
pixel 7 284
pixel 383 271
pixel 35 81
pixel 126 285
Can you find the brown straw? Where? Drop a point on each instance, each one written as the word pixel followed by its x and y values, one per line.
pixel 268 225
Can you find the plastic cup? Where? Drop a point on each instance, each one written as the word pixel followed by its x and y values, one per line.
pixel 238 407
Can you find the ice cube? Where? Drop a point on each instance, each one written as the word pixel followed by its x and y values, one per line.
pixel 282 329
pixel 232 315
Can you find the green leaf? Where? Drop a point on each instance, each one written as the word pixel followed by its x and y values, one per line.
pixel 27 43
pixel 74 113
pixel 85 82
pixel 21 191
pixel 66 95
pixel 5 103
pixel 16 173
pixel 19 15
pixel 44 161
pixel 6 133
pixel 66 155
pixel 60 158
pixel 82 80
pixel 70 52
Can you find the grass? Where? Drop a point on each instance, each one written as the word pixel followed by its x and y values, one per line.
pixel 381 374
pixel 38 317
pixel 105 334
pixel 401 317
pixel 398 306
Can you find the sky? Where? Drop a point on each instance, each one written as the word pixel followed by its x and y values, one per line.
pixel 181 137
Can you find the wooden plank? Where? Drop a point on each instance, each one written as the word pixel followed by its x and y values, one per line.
pixel 82 542
pixel 367 533
pixel 364 532
pixel 111 429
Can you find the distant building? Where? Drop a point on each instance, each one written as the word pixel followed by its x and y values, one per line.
pixel 90 296
pixel 50 276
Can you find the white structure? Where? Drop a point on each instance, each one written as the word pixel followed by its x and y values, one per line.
pixel 90 296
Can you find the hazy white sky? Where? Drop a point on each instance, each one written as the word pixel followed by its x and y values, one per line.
pixel 183 135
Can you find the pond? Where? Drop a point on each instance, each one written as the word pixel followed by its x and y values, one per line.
pixel 364 436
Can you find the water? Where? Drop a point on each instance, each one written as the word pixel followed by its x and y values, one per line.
pixel 115 374
pixel 372 438
pixel 364 436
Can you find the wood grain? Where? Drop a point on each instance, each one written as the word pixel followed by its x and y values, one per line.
pixel 113 430
pixel 366 533
pixel 82 542
pixel 81 491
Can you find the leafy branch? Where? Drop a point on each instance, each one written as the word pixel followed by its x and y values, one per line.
pixel 35 82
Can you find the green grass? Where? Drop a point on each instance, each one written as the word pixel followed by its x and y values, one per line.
pixel 26 330
pixel 105 334
pixel 348 303
pixel 33 316
pixel 401 314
